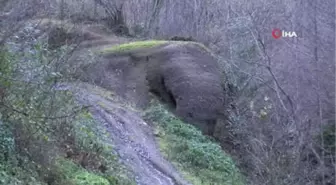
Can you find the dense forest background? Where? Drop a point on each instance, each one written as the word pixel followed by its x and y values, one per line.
pixel 281 95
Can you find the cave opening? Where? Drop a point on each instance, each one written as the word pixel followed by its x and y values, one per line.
pixel 164 94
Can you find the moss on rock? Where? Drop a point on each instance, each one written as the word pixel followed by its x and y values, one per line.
pixel 134 45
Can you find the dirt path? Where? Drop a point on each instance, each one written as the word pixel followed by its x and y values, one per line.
pixel 131 137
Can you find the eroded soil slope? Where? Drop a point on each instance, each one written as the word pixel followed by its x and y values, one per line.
pixel 131 137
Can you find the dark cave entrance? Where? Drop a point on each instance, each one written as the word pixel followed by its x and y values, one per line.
pixel 172 101
pixel 167 95
pixel 164 95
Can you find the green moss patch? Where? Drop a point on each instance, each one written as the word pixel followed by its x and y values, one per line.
pixel 134 45
pixel 141 46
pixel 199 159
pixel 328 136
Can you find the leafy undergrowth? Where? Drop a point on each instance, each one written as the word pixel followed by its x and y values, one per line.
pixel 74 174
pixel 95 154
pixel 199 159
pixel 46 137
pixel 87 160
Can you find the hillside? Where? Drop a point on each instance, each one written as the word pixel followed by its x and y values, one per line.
pixel 123 84
pixel 150 92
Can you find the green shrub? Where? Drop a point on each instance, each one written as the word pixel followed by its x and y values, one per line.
pixel 37 122
pixel 13 175
pixel 86 178
pixel 328 136
pixel 76 175
pixel 91 138
pixel 7 145
pixel 6 67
